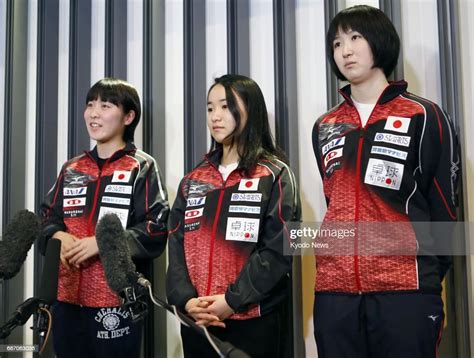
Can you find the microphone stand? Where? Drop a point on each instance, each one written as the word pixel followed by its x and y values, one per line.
pixel 20 316
pixel 224 349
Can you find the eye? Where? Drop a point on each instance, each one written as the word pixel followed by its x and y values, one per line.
pixel 336 44
pixel 356 36
pixel 224 106
pixel 106 105
pixel 89 104
pixel 209 109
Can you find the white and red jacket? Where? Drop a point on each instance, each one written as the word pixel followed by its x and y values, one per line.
pixel 228 236
pixel 128 184
pixel 402 167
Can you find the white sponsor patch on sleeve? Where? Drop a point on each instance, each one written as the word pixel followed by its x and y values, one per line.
pixel 242 229
pixel 121 176
pixel 116 200
pixel 193 213
pixel 393 139
pixel 75 191
pixel 68 203
pixel 196 201
pixel 384 173
pixel 397 124
pixel 122 214
pixel 244 209
pixel 336 153
pixel 333 144
pixel 249 184
pixel 394 153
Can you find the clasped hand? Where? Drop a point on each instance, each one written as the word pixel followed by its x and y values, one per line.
pixel 209 310
pixel 74 251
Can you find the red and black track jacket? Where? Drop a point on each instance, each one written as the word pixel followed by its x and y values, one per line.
pixel 228 236
pixel 128 185
pixel 402 167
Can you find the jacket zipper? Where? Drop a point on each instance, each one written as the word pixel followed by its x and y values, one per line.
pixel 214 226
pixel 356 214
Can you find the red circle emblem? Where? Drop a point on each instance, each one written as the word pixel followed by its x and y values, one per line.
pixel 388 181
pixel 248 184
pixel 397 124
pixel 247 235
pixel 121 176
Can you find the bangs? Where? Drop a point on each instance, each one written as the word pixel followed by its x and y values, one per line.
pixel 105 93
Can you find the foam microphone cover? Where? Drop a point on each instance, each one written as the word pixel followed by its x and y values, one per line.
pixel 49 279
pixel 19 235
pixel 120 271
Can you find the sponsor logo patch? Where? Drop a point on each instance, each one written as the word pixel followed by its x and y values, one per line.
pixel 332 168
pixel 118 189
pixel 67 203
pixel 242 229
pixel 384 173
pixel 193 213
pixel 121 176
pixel 115 200
pixel 122 214
pixel 75 191
pixel 244 209
pixel 393 139
pixel 397 124
pixel 333 144
pixel 196 201
pixel 399 154
pixel 249 184
pixel 336 153
pixel 255 198
pixel 192 226
pixel 73 213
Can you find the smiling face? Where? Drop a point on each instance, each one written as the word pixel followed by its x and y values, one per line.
pixel 353 57
pixel 220 120
pixel 106 121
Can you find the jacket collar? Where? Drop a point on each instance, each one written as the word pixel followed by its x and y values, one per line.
pixel 393 89
pixel 129 147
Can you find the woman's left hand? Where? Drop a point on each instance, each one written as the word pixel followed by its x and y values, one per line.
pixel 81 250
pixel 218 306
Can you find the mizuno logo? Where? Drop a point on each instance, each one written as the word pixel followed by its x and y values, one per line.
pixel 433 317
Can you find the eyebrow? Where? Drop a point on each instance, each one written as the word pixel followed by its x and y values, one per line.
pixel 221 100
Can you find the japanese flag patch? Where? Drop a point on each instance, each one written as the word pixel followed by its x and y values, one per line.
pixel 384 173
pixel 121 176
pixel 397 124
pixel 249 184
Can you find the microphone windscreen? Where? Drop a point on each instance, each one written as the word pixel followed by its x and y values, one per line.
pixel 120 271
pixel 49 279
pixel 19 235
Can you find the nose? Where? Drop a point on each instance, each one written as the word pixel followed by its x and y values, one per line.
pixel 216 115
pixel 346 49
pixel 93 113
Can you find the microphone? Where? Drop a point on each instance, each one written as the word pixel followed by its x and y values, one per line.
pixel 18 237
pixel 120 271
pixel 121 275
pixel 48 293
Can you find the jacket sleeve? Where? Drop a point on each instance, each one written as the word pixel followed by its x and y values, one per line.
pixel 179 288
pixel 440 165
pixel 52 213
pixel 147 229
pixel 268 265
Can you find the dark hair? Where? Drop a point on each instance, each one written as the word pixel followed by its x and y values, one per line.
pixel 122 94
pixel 255 141
pixel 375 27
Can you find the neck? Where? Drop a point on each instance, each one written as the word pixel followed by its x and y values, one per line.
pixel 105 150
pixel 369 91
pixel 229 155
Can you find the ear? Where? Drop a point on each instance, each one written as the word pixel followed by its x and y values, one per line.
pixel 129 117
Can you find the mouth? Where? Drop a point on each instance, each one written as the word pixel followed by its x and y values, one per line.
pixel 95 125
pixel 217 128
pixel 349 64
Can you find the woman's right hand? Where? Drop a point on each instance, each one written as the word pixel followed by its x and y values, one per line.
pixel 197 309
pixel 67 240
